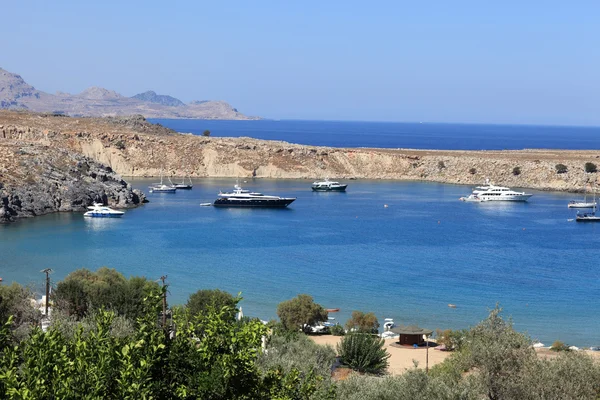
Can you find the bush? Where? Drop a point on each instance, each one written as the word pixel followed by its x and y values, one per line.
pixel 472 171
pixel 452 339
pixel 206 133
pixel 300 313
pixel 561 168
pixel 441 165
pixel 516 171
pixel 363 353
pixel 590 167
pixel 15 302
pixel 363 322
pixel 211 299
pixel 337 330
pixel 120 145
pixel 559 346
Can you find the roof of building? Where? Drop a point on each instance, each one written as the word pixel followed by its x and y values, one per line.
pixel 411 330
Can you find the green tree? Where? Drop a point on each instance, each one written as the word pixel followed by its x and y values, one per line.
pixel 15 304
pixel 590 167
pixel 206 133
pixel 206 299
pixel 472 171
pixel 516 171
pixel 363 353
pixel 561 168
pixel 300 313
pixel 363 322
pixel 83 291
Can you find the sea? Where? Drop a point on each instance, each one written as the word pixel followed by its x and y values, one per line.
pixel 403 250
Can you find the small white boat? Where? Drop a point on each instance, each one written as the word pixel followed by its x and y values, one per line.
pixel 162 187
pixel 182 185
pixel 98 210
pixel 206 204
pixel 388 324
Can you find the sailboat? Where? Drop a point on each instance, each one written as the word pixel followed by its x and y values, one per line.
pixel 182 185
pixel 162 187
pixel 584 203
pixel 588 216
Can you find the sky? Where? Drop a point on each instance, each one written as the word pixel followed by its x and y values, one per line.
pixel 516 62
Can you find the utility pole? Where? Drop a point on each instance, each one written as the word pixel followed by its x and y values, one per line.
pixel 427 355
pixel 164 301
pixel 47 271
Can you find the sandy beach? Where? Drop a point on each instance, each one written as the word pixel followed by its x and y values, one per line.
pixel 401 358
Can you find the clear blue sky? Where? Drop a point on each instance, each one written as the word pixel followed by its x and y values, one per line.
pixel 477 61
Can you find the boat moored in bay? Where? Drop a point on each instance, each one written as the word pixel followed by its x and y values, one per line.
pixel 99 210
pixel 244 198
pixel 328 186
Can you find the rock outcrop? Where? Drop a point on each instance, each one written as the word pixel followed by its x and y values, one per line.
pixel 37 179
pixel 16 94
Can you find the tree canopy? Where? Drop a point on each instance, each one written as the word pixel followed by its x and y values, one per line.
pixel 211 299
pixel 300 313
pixel 363 322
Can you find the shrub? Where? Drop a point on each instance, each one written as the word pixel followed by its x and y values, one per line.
pixel 215 299
pixel 452 339
pixel 206 133
pixel 559 346
pixel 363 322
pixel 120 145
pixel 516 171
pixel 337 330
pixel 300 313
pixel 561 168
pixel 472 171
pixel 363 353
pixel 590 167
pixel 441 165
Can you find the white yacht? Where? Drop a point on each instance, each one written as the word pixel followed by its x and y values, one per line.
pixel 244 198
pixel 328 186
pixel 585 203
pixel 98 210
pixel 495 193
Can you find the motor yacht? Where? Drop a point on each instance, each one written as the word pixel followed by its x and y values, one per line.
pixel 328 186
pixel 495 193
pixel 244 198
pixel 98 210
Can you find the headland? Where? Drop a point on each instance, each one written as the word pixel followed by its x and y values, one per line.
pixel 131 146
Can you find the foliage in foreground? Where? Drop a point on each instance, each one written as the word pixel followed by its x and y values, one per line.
pixel 300 313
pixel 363 352
pixel 209 357
pixel 15 303
pixel 300 353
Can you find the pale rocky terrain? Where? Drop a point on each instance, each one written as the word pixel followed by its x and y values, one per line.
pixel 16 94
pixel 130 146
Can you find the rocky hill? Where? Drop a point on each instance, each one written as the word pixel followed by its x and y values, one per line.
pixel 165 100
pixel 133 147
pixel 16 94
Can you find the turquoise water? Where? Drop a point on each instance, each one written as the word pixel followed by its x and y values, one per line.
pixel 406 261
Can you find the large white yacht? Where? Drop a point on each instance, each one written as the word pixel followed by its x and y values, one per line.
pixel 244 198
pixel 491 192
pixel 99 210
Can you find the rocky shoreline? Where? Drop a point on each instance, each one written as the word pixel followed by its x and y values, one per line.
pixel 131 146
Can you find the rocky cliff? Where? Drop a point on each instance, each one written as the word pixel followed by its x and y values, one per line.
pixel 16 94
pixel 133 147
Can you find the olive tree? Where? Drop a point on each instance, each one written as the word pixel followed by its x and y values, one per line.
pixel 362 322
pixel 300 313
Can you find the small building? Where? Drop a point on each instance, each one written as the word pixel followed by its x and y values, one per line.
pixel 411 335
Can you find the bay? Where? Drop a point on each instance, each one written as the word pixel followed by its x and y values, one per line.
pixel 407 261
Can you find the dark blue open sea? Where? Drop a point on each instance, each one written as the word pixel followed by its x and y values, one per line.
pixel 407 261
pixel 400 135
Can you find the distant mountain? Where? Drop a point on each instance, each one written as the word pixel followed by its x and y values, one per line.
pixel 165 100
pixel 15 93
